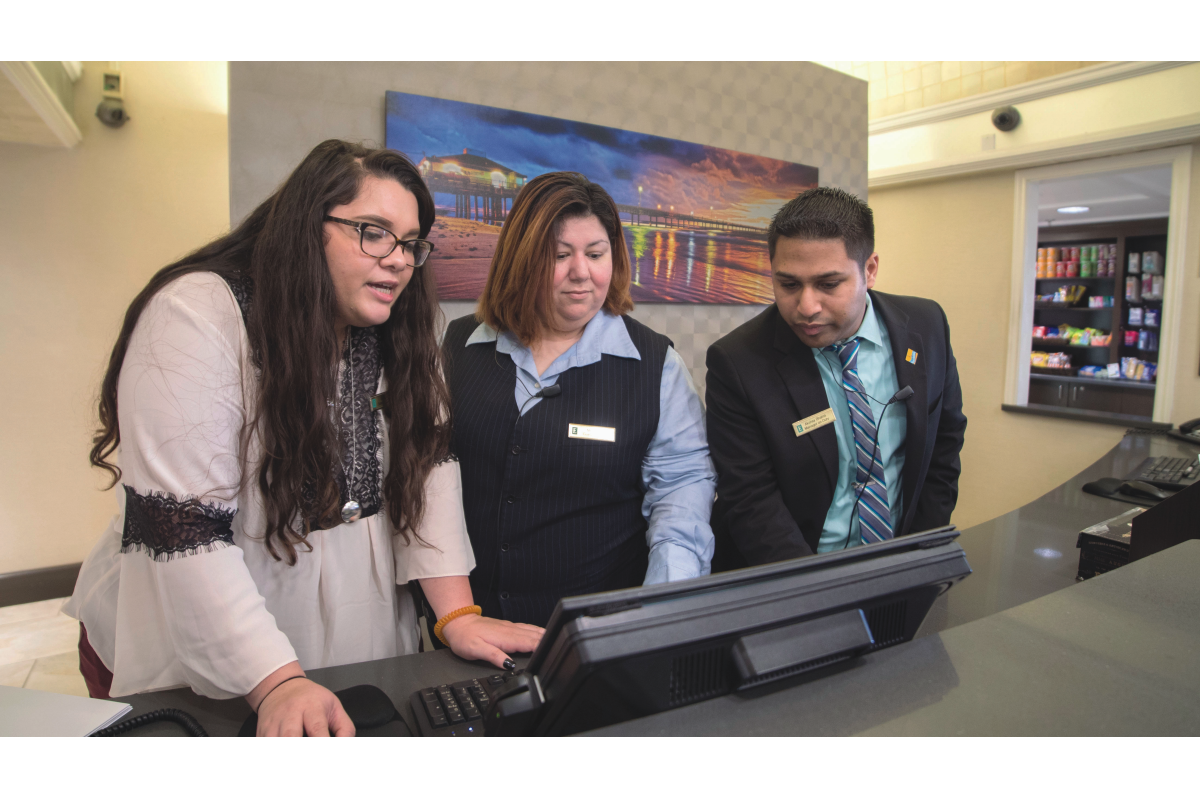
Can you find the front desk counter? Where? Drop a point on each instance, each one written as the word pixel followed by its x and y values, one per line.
pixel 998 655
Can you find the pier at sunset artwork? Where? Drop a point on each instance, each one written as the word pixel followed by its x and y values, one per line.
pixel 695 217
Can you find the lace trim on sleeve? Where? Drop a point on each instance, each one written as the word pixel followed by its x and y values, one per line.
pixel 166 528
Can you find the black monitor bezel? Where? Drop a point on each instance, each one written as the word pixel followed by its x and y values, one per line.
pixel 573 607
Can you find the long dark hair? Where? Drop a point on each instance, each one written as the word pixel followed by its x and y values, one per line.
pixel 279 250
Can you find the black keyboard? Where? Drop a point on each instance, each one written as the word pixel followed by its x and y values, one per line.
pixel 1168 473
pixel 455 710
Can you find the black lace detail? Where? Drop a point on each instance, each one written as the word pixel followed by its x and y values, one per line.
pixel 360 432
pixel 166 528
pixel 243 291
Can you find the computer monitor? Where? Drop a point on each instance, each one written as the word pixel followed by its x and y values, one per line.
pixel 624 654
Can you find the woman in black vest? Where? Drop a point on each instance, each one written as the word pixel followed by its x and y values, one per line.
pixel 581 438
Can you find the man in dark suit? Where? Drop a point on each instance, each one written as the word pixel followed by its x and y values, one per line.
pixel 835 416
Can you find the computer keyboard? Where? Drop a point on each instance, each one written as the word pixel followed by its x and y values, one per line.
pixel 455 710
pixel 1168 473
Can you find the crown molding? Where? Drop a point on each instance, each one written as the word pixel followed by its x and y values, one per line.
pixel 1022 93
pixel 1163 133
pixel 33 87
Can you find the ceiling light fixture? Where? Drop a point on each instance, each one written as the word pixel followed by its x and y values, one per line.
pixel 1074 209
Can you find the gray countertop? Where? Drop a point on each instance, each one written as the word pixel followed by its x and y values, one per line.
pixel 1016 648
pixel 1116 655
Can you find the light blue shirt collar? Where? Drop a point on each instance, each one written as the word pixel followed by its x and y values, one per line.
pixel 605 334
pixel 869 329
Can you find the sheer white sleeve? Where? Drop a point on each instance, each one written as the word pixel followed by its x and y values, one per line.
pixel 447 550
pixel 188 608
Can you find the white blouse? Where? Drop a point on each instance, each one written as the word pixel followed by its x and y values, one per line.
pixel 181 590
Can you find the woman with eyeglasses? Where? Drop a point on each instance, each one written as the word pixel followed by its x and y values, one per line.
pixel 276 406
pixel 580 435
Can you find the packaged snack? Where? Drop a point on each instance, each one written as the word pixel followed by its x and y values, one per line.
pixel 1086 269
pixel 1041 253
pixel 1157 286
pixel 1152 263
pixel 1135 316
pixel 1052 254
pixel 1151 317
pixel 1074 253
pixel 1147 286
pixel 1142 338
pixel 1114 371
pixel 1133 288
pixel 1131 337
pixel 1135 263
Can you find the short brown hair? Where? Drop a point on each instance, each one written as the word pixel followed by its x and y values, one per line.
pixel 517 295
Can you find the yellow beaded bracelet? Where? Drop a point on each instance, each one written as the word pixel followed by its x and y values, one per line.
pixel 450 616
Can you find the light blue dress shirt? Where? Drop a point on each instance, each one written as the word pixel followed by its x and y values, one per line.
pixel 877 371
pixel 677 471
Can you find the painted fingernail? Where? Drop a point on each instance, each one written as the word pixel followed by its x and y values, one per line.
pixel 509 664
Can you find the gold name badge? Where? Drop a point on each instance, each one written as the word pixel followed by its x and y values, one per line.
pixel 807 425
pixel 589 433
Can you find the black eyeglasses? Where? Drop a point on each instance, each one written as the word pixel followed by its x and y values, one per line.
pixel 379 242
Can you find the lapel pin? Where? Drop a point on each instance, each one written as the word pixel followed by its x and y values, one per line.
pixel 911 357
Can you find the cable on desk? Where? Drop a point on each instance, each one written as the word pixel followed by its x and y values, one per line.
pixel 189 724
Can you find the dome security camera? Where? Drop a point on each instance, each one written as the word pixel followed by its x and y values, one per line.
pixel 1006 118
pixel 112 112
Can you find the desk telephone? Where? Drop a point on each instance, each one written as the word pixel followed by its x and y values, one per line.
pixel 1188 431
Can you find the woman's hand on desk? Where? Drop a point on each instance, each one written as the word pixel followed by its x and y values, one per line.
pixel 289 705
pixel 490 639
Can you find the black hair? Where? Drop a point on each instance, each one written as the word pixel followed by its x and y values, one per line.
pixel 824 213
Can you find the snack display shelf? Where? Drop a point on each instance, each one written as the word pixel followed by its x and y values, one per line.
pixel 1061 342
pixel 1079 280
pixel 1121 382
pixel 1088 397
pixel 1046 371
pixel 1061 306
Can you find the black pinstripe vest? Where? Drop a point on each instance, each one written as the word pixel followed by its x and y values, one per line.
pixel 551 516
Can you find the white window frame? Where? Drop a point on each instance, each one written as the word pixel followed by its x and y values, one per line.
pixel 1024 267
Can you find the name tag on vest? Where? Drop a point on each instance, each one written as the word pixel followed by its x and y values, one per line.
pixel 807 425
pixel 588 433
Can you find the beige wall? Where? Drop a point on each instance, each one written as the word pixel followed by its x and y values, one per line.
pixel 951 241
pixel 82 231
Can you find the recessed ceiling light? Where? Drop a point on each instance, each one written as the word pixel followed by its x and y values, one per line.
pixel 1074 209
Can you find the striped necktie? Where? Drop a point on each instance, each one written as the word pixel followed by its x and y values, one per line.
pixel 874 517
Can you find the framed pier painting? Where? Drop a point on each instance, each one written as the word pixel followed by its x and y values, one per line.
pixel 695 217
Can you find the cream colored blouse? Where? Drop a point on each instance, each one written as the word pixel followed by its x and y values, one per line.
pixel 180 589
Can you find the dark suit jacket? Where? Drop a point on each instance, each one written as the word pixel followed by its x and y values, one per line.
pixel 773 488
